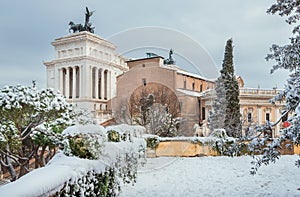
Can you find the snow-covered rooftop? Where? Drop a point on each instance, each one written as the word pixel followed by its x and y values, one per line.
pixel 190 93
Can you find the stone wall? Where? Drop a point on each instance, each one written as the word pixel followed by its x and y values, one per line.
pixel 191 149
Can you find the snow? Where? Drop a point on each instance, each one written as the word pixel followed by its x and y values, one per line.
pixel 203 140
pixel 64 169
pixel 54 175
pixel 84 129
pixel 136 131
pixel 190 93
pixel 215 176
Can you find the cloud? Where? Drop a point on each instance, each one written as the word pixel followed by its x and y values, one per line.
pixel 28 28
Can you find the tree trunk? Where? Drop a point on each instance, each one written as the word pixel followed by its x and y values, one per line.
pixel 23 168
pixel 11 170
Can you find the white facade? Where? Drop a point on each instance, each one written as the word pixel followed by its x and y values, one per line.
pixel 84 71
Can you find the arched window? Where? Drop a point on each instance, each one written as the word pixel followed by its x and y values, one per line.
pixel 70 82
pixel 203 113
pixel 99 84
pixel 77 81
pixel 105 84
pixel 249 117
pixel 93 83
pixel 64 73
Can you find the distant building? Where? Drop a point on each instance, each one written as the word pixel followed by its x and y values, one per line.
pixel 187 87
pixel 84 70
pixel 255 107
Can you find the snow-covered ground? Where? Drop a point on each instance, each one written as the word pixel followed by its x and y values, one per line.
pixel 215 176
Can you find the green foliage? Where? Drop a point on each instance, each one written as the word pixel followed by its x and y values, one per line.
pixel 152 142
pixel 85 146
pixel 105 183
pixel 95 184
pixel 9 138
pixel 113 136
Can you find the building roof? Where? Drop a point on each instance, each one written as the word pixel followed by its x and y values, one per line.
pixel 146 58
pixel 190 93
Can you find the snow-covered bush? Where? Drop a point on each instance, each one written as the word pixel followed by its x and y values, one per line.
pixel 84 141
pixel 74 176
pixel 113 136
pixel 222 143
pixel 124 157
pixel 93 184
pixel 85 146
pixel 152 141
pixel 133 130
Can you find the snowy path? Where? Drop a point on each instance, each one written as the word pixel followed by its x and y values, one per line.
pixel 215 176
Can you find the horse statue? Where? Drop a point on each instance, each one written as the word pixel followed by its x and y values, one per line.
pixel 201 131
pixel 198 130
pixel 75 27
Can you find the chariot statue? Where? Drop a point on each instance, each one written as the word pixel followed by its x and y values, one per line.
pixel 87 25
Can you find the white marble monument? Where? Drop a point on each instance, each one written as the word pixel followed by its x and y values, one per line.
pixel 84 71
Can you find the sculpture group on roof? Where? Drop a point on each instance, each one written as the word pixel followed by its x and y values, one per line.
pixel 170 60
pixel 87 25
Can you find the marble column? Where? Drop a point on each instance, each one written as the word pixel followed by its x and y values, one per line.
pixel 259 115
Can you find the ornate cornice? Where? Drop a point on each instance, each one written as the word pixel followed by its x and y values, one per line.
pixel 82 36
pixel 76 60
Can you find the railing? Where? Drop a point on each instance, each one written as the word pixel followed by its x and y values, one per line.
pixel 249 91
pixel 258 91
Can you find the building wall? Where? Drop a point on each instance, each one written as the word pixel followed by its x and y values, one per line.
pixel 152 70
pixel 256 102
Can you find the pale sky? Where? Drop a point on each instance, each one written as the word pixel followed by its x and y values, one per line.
pixel 191 28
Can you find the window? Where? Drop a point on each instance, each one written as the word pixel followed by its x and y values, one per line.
pixel 144 81
pixel 184 84
pixel 203 113
pixel 201 87
pixel 193 86
pixel 267 116
pixel 249 117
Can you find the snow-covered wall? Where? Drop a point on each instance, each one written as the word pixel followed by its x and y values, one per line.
pixel 64 169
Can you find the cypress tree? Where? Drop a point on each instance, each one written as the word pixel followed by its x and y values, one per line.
pixel 226 107
pixel 233 116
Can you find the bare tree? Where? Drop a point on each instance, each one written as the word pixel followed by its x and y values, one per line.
pixel 150 103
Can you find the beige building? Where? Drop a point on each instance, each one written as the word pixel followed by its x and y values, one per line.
pixel 255 106
pixel 186 86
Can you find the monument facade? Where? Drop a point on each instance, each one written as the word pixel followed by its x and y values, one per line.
pixel 84 70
